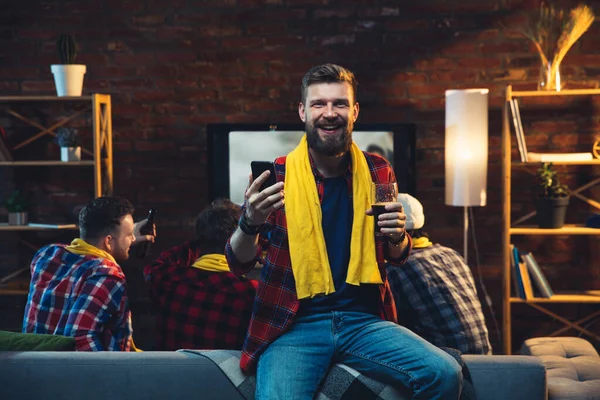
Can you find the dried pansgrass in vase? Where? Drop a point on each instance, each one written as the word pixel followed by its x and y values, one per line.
pixel 553 33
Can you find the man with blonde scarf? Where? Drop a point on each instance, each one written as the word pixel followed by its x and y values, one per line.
pixel 79 290
pixel 323 295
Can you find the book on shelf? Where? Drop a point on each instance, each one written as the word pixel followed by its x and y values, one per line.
pixel 515 262
pixel 513 271
pixel 55 226
pixel 516 116
pixel 527 287
pixel 550 157
pixel 538 276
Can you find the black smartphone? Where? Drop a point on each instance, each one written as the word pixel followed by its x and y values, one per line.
pixel 144 247
pixel 258 167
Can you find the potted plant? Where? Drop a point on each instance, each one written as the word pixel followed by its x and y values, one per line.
pixel 17 207
pixel 552 200
pixel 68 76
pixel 68 140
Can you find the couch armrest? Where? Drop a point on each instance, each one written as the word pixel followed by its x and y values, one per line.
pixel 507 377
pixel 112 375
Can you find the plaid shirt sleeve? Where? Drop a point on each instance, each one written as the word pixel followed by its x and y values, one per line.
pixel 240 268
pixel 100 301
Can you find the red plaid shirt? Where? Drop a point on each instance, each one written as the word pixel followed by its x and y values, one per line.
pixel 276 302
pixel 198 309
pixel 80 296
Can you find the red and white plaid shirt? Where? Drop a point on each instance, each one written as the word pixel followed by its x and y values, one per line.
pixel 198 309
pixel 81 296
pixel 276 301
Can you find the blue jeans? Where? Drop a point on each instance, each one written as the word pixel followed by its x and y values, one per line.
pixel 293 366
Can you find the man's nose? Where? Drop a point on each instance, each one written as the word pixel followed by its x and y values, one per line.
pixel 330 111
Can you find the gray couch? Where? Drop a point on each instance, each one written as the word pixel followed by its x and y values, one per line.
pixel 190 375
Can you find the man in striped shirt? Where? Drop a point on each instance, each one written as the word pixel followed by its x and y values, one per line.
pixel 79 290
pixel 435 292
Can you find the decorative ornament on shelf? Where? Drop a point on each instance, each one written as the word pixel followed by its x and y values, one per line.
pixel 596 149
pixel 68 140
pixel 68 76
pixel 553 32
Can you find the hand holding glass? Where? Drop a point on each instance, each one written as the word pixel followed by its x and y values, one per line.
pixel 383 193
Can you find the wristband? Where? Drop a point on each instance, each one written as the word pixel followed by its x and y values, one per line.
pixel 400 240
pixel 247 228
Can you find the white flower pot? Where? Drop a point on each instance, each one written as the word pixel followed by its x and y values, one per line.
pixel 68 79
pixel 70 153
pixel 17 218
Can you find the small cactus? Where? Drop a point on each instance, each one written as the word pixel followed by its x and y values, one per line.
pixel 67 48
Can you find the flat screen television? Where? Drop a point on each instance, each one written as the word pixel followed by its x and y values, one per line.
pixel 231 148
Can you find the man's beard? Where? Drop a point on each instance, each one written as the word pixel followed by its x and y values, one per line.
pixel 331 145
pixel 120 256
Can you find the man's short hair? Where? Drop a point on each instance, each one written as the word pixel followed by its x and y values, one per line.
pixel 216 224
pixel 327 73
pixel 102 215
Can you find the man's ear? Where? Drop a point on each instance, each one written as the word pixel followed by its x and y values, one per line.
pixel 356 110
pixel 302 111
pixel 107 243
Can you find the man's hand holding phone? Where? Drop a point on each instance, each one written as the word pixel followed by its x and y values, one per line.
pixel 261 203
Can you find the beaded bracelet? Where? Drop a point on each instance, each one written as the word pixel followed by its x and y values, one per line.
pixel 247 228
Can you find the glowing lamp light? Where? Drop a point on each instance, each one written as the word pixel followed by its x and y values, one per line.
pixel 466 150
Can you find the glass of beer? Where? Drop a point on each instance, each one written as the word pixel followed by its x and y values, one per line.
pixel 383 193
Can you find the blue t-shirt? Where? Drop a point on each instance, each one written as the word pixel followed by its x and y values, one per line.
pixel 338 214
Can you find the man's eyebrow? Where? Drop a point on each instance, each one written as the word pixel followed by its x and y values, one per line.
pixel 338 100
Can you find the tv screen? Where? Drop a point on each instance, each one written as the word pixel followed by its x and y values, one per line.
pixel 232 147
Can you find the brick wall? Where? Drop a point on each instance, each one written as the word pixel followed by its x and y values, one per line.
pixel 173 67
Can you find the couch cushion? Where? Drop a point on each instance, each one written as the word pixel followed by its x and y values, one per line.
pixel 16 341
pixel 572 364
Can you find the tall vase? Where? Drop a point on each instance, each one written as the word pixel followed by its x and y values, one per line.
pixel 549 77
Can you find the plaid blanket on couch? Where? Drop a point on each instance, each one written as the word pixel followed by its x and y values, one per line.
pixel 340 383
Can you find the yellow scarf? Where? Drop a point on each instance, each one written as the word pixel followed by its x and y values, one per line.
pixel 135 349
pixel 421 243
pixel 81 247
pixel 212 262
pixel 308 252
pixel 78 246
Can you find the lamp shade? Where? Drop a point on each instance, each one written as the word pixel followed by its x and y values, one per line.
pixel 466 149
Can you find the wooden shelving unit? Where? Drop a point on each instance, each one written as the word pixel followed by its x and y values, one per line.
pixel 7 227
pixel 511 228
pixel 565 230
pixel 47 163
pixel 13 292
pixel 24 99
pixel 529 164
pixel 99 105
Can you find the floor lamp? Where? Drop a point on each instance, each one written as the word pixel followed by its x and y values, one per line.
pixel 466 151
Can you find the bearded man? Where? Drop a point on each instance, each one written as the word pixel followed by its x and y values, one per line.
pixel 323 295
pixel 80 290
